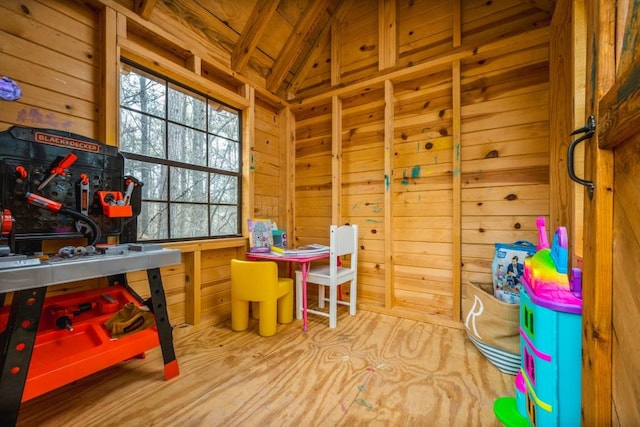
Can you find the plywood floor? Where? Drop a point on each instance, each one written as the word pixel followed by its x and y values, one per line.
pixel 372 370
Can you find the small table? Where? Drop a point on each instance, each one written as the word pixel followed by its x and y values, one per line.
pixel 304 261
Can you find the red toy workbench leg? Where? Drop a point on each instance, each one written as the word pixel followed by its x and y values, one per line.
pixel 165 334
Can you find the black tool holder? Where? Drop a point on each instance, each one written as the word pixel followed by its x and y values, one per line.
pixel 27 158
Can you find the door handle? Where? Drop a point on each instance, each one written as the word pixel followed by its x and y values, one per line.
pixel 588 131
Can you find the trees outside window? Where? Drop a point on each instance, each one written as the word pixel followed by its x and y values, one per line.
pixel 186 150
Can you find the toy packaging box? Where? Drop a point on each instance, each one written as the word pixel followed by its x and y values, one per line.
pixel 508 267
pixel 260 235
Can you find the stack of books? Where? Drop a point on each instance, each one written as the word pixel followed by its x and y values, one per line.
pixel 306 250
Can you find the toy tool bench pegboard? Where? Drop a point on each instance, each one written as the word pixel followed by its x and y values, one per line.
pixel 57 185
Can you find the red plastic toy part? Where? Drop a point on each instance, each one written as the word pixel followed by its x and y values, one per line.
pixel 113 204
pixel 72 341
pixel 7 222
pixel 66 162
pixel 21 171
pixel 43 202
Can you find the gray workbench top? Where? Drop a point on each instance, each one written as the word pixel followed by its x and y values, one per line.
pixel 119 259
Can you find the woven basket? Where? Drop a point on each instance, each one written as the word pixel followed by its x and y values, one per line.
pixel 492 326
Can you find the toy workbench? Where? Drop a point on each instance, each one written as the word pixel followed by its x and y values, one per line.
pixel 57 185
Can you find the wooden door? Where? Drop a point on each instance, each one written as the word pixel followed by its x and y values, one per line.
pixel 611 349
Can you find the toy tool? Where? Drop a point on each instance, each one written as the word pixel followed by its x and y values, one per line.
pixel 53 206
pixel 63 315
pixel 67 161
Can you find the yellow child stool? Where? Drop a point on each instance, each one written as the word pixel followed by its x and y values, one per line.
pixel 258 281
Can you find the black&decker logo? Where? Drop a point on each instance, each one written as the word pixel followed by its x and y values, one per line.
pixel 61 141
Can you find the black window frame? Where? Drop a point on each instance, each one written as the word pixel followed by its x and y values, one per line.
pixel 166 162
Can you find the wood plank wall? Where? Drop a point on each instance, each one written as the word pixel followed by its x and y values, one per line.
pixel 52 49
pixel 459 115
pixel 266 162
pixel 405 207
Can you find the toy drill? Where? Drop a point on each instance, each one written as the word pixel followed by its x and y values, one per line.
pixel 62 314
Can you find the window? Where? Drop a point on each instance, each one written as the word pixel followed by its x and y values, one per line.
pixel 185 148
pixel 529 365
pixel 527 320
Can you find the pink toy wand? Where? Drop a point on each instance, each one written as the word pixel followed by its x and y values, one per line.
pixel 543 242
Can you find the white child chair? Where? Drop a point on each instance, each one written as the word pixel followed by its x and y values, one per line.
pixel 343 242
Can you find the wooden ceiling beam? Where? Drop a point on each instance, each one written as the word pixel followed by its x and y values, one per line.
pixel 520 41
pixel 144 7
pixel 546 5
pixel 319 46
pixel 309 61
pixel 212 54
pixel 252 32
pixel 296 42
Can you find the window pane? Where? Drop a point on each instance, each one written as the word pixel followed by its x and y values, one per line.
pixel 152 176
pixel 188 185
pixel 223 121
pixel 153 221
pixel 224 188
pixel 187 145
pixel 187 108
pixel 185 149
pixel 187 221
pixel 223 154
pixel 224 220
pixel 141 91
pixel 141 134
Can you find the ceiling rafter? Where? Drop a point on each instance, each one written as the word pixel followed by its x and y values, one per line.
pixel 144 7
pixel 319 46
pixel 296 42
pixel 545 5
pixel 252 32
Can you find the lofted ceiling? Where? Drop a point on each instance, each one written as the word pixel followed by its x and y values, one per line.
pixel 274 42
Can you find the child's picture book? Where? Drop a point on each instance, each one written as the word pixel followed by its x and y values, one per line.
pixel 260 235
